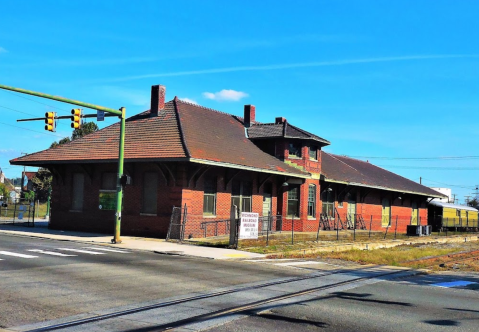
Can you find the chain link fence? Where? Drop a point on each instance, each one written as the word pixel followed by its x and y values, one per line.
pixel 20 213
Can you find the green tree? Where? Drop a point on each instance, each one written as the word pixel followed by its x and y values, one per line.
pixel 474 202
pixel 4 191
pixel 42 182
pixel 85 129
pixel 29 195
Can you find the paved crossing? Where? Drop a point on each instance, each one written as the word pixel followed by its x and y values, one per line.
pixel 58 252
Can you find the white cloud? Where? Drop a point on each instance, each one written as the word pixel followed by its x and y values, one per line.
pixel 225 95
pixel 2 50
pixel 188 100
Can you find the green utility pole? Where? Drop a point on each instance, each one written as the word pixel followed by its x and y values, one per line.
pixel 122 115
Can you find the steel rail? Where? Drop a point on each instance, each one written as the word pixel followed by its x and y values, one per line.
pixel 214 294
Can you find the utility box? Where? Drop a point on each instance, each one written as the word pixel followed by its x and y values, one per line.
pixel 414 230
pixel 426 230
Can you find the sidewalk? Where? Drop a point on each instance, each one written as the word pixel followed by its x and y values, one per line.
pixel 128 242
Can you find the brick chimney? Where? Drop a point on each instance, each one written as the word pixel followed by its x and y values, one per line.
pixel 279 120
pixel 249 115
pixel 158 93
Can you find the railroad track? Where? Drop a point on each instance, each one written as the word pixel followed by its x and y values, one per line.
pixel 446 260
pixel 231 310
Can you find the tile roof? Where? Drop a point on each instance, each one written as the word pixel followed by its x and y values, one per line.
pixel 284 129
pixel 145 138
pixel 220 137
pixel 181 130
pixel 348 170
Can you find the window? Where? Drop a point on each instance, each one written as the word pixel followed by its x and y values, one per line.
pixel 458 213
pixel 293 202
pixel 209 197
pixel 312 201
pixel 241 193
pixel 108 181
pixel 295 150
pixel 150 193
pixel 327 198
pixel 313 152
pixel 77 195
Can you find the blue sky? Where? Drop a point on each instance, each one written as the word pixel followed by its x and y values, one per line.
pixel 390 79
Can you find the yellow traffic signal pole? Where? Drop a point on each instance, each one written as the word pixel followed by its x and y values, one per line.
pixel 122 115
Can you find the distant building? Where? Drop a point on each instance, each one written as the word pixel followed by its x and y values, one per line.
pixel 444 191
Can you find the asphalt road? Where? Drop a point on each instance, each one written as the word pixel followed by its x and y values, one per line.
pixel 59 281
pixel 409 304
pixel 45 286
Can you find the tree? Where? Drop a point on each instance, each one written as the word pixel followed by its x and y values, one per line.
pixel 85 129
pixel 29 195
pixel 474 202
pixel 42 182
pixel 4 191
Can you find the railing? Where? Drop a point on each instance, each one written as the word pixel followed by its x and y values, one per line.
pixel 215 223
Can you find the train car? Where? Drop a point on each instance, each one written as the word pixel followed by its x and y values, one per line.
pixel 441 215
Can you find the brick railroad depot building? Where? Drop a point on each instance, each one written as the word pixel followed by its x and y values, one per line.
pixel 180 153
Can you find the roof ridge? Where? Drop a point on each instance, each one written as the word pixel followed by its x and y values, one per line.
pixel 180 127
pixel 334 156
pixel 203 107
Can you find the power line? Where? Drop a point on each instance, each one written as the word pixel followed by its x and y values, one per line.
pixel 436 168
pixel 451 185
pixel 11 109
pixel 418 158
pixel 36 101
pixel 39 132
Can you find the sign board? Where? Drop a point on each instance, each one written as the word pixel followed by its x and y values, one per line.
pixel 249 225
pixel 107 200
pixel 20 215
pixel 100 115
pixel 13 194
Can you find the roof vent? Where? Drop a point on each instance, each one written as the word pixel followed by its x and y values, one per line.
pixel 158 93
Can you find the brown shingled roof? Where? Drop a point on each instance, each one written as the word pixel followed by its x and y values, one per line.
pixel 180 131
pixel 145 138
pixel 353 171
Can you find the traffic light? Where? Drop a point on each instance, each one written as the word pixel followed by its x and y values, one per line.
pixel 76 118
pixel 50 121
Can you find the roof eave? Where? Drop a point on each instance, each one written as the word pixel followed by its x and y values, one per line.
pixel 247 168
pixel 383 188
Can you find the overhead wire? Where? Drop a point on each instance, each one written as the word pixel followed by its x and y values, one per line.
pixel 36 101
pixel 417 158
pixel 35 131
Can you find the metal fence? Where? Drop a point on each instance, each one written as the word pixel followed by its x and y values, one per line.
pixel 176 230
pixel 18 213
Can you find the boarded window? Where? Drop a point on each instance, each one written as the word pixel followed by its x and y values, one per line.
pixel 312 201
pixel 293 202
pixel 108 181
pixel 150 193
pixel 209 197
pixel 77 194
pixel 241 195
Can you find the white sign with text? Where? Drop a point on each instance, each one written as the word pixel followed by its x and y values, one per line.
pixel 249 225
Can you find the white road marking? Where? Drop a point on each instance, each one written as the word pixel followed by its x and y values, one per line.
pixel 107 249
pixel 8 253
pixel 298 263
pixel 50 253
pixel 82 251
